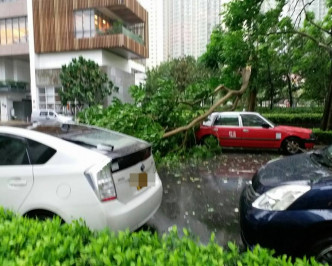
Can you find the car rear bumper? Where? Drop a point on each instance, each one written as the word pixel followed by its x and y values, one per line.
pixel 309 143
pixel 134 214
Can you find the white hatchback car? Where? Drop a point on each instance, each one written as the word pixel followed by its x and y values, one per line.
pixel 75 171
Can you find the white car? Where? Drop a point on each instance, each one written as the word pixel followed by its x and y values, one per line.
pixel 75 171
pixel 49 117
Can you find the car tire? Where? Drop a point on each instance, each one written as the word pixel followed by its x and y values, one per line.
pixel 292 146
pixel 323 251
pixel 209 141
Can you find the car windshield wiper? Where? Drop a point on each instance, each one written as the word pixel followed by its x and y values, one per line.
pixel 320 158
pixel 99 146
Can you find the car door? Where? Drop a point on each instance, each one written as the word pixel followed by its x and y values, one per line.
pixel 226 127
pixel 51 116
pixel 256 133
pixel 43 116
pixel 16 173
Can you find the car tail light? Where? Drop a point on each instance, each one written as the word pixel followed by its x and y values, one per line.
pixel 101 181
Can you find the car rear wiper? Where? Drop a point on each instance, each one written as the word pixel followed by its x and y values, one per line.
pixel 99 146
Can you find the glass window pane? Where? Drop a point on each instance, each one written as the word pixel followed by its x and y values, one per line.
pixel 23 32
pixel 16 33
pixel 42 90
pixel 252 121
pixel 9 29
pixel 13 151
pixel 78 24
pixel 50 91
pixel 39 153
pixel 42 99
pixel 86 23
pixel 3 32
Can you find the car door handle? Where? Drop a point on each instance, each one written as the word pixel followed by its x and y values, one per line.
pixel 17 182
pixel 245 130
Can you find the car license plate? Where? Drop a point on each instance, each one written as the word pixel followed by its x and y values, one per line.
pixel 139 180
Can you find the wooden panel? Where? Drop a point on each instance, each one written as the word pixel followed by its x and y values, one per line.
pixel 54 27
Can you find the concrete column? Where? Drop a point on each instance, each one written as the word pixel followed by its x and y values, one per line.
pixel 34 89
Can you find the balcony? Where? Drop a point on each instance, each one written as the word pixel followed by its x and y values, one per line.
pixel 74 25
pixel 122 30
pixel 14 86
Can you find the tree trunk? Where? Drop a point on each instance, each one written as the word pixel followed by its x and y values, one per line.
pixel 327 115
pixel 252 100
pixel 271 84
pixel 290 93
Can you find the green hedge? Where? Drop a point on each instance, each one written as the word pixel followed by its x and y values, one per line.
pixel 324 137
pixel 29 242
pixel 309 120
pixel 297 110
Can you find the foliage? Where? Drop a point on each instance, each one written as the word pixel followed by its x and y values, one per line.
pixel 172 97
pixel 297 110
pixel 84 83
pixel 298 119
pixel 323 137
pixel 30 242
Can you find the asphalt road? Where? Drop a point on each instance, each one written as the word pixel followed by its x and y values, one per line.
pixel 203 196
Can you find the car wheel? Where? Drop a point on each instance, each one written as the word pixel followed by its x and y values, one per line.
pixel 210 141
pixel 323 251
pixel 292 146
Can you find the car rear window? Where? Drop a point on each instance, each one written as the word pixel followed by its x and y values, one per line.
pixel 39 153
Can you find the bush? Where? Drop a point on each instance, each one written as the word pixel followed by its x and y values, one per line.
pixel 309 120
pixel 30 242
pixel 324 137
pixel 297 110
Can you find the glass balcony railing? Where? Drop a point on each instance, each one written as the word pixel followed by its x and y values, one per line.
pixel 122 30
pixel 13 86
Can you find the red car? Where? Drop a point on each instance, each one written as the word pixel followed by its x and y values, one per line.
pixel 251 130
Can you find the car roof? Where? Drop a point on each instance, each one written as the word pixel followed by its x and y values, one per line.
pixel 235 113
pixel 51 141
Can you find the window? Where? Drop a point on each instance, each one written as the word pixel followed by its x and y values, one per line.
pixel 13 30
pixel 84 23
pixel 13 151
pixel 252 121
pixel 227 121
pixel 39 153
pixel 49 98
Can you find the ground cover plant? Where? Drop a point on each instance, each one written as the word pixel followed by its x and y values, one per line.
pixel 31 242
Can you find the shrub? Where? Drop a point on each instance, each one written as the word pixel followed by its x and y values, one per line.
pixel 324 137
pixel 30 242
pixel 309 120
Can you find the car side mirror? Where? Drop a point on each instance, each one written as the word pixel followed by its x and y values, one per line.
pixel 265 125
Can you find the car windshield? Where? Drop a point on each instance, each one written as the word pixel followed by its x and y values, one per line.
pixel 324 157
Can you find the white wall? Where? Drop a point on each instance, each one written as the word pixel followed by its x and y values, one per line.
pixel 101 57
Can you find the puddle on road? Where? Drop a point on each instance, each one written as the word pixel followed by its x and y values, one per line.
pixel 204 197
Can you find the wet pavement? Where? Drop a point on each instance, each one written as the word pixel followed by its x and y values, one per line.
pixel 203 196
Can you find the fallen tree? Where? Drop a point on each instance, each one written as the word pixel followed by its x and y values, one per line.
pixel 245 72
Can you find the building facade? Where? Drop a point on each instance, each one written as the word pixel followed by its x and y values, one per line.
pixel 188 25
pixel 156 36
pixel 37 37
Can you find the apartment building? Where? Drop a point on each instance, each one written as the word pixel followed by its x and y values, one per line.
pixel 37 37
pixel 188 25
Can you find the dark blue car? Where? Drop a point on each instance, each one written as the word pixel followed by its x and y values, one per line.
pixel 288 206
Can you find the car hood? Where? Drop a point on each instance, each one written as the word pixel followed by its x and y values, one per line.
pixel 296 168
pixel 293 129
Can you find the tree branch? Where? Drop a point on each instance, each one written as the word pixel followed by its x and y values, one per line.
pixel 246 72
pixel 303 34
pixel 219 88
pixel 317 26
